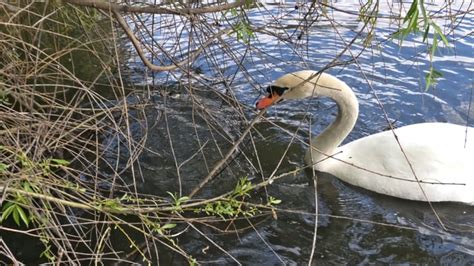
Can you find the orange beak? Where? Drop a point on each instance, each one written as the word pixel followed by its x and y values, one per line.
pixel 267 101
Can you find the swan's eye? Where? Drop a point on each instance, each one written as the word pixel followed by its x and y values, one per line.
pixel 276 89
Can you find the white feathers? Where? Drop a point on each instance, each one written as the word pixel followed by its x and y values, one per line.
pixel 430 161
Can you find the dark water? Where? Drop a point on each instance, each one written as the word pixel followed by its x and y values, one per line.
pixel 354 225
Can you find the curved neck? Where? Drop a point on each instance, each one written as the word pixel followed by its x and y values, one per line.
pixel 325 85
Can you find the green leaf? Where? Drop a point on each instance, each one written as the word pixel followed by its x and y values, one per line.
pixel 183 199
pixel 440 32
pixel 413 24
pixel 47 253
pixel 125 197
pixel 7 210
pixel 23 215
pixel 27 187
pixel 3 167
pixel 274 201
pixel 432 77
pixel 445 40
pixel 16 215
pixel 411 11
pixel 434 46
pixel 248 3
pixel 173 195
pixel 428 80
pixel 192 261
pixel 423 11
pixel 168 226
pixel 60 162
pixel 400 35
pixel 427 30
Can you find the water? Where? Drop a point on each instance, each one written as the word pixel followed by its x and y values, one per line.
pixel 355 226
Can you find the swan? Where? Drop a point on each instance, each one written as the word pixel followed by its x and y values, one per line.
pixel 439 161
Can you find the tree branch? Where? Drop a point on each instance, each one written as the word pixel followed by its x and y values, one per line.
pixel 150 65
pixel 153 9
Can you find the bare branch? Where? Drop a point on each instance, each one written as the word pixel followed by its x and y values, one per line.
pixel 153 67
pixel 153 9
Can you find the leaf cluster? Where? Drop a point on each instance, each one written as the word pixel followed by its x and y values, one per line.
pixel 426 27
pixel 235 205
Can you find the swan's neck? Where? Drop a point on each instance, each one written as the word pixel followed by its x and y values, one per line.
pixel 327 142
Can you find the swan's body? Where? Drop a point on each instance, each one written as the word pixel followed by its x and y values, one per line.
pixel 437 152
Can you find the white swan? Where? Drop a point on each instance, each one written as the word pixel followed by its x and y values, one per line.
pixel 437 152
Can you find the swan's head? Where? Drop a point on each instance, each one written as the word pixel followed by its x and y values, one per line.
pixel 295 85
pixel 275 95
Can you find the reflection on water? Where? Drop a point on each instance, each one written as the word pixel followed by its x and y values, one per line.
pixel 381 229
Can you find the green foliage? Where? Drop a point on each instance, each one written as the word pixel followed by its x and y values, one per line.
pixel 273 201
pixel 15 205
pixel 178 201
pixel 30 167
pixel 412 25
pixel 18 205
pixel 368 14
pixel 162 229
pixel 411 21
pixel 229 208
pixel 234 205
pixel 47 253
pixel 49 164
pixel 16 211
pixel 114 205
pixel 242 188
pixel 432 77
pixel 26 164
pixel 75 187
pixel 129 198
pixel 192 261
pixel 3 167
pixel 117 205
pixel 244 32
pixel 30 187
pixel 242 28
